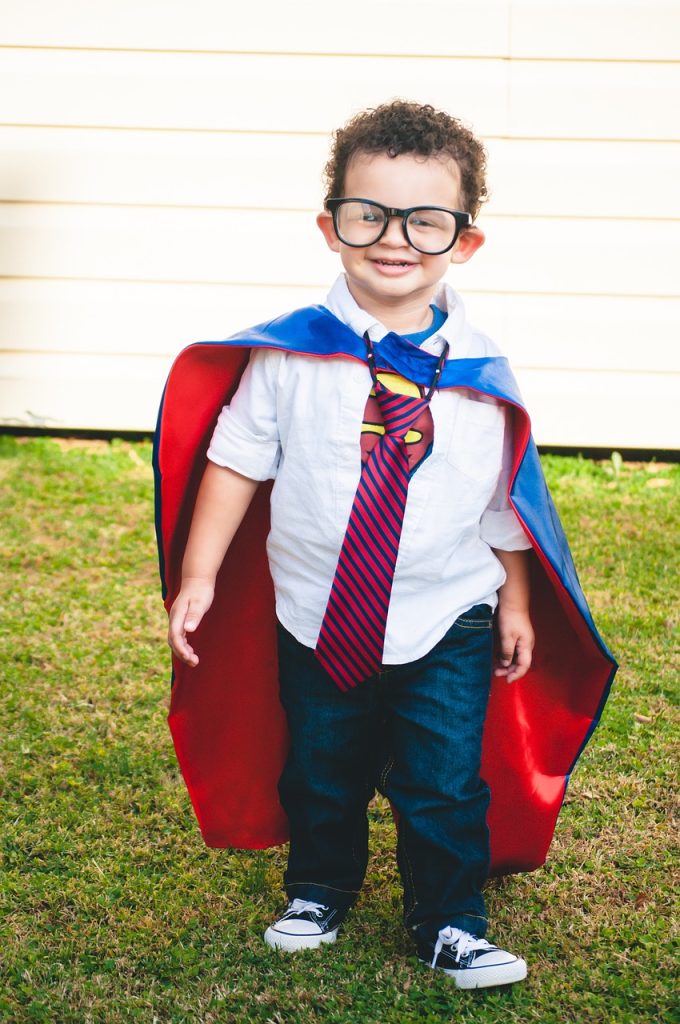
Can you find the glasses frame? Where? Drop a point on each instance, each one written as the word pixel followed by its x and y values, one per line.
pixel 462 221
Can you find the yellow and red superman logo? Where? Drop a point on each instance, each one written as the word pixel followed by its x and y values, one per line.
pixel 419 437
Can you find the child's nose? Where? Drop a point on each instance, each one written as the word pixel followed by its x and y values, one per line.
pixel 394 233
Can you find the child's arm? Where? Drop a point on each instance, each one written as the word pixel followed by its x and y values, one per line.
pixel 222 501
pixel 514 624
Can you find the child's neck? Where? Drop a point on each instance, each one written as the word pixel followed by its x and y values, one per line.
pixel 408 323
pixel 407 318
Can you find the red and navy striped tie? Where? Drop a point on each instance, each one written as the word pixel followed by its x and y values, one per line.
pixel 352 637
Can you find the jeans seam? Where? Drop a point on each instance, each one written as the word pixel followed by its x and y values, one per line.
pixel 385 772
pixel 412 885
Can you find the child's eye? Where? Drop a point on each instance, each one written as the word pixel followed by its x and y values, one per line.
pixel 369 217
pixel 421 222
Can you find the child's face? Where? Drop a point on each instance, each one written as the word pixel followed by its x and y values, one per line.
pixel 391 273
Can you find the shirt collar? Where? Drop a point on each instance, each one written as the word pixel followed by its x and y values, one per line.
pixel 342 304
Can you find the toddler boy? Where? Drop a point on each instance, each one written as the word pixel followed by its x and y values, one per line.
pixel 393 547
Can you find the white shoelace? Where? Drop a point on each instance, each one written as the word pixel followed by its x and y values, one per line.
pixel 464 943
pixel 302 906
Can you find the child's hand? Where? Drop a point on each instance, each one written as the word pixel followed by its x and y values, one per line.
pixel 516 643
pixel 188 609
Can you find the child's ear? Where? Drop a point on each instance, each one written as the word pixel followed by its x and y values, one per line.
pixel 325 222
pixel 469 241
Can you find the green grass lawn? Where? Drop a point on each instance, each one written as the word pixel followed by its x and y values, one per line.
pixel 114 910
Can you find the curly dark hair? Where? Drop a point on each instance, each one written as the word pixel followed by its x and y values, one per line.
pixel 403 127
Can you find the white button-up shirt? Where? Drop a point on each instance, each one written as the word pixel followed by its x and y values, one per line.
pixel 297 420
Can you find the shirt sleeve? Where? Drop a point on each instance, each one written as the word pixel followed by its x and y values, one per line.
pixel 499 525
pixel 246 437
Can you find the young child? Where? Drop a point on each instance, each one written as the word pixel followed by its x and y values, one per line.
pixel 393 549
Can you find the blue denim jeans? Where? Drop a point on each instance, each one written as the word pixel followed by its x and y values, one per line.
pixel 414 733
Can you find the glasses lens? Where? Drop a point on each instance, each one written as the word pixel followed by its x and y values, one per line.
pixel 431 230
pixel 359 223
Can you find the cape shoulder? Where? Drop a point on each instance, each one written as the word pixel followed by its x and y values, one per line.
pixel 315 331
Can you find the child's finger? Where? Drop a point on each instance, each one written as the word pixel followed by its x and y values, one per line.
pixel 185 652
pixel 522 662
pixel 177 635
pixel 507 654
pixel 177 616
pixel 195 613
pixel 189 656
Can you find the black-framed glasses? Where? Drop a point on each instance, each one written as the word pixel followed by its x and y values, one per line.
pixel 431 230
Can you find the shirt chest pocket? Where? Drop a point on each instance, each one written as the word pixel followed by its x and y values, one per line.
pixel 476 440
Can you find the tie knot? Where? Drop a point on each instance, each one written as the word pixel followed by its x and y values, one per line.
pixel 399 412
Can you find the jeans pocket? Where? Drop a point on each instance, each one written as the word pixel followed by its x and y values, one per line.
pixel 480 616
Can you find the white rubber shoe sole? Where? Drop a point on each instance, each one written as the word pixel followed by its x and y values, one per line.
pixel 291 942
pixel 486 977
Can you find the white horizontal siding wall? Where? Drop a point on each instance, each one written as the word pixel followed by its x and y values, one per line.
pixel 147 145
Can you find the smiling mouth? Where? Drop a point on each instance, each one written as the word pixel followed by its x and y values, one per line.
pixel 393 263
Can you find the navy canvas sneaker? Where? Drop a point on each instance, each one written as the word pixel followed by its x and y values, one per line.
pixel 304 925
pixel 471 962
